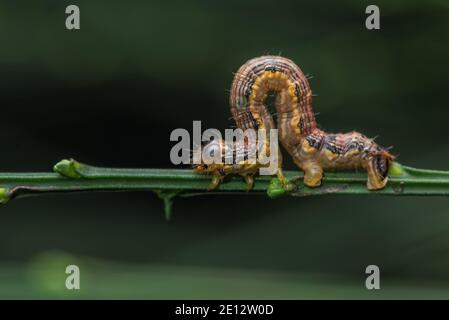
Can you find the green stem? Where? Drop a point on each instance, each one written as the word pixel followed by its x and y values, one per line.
pixel 72 176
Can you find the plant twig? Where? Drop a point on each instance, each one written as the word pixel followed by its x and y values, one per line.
pixel 72 176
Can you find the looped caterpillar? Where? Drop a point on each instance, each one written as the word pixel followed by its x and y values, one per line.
pixel 312 149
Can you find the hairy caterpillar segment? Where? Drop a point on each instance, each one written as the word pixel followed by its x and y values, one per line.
pixel 342 151
pixel 312 149
pixel 245 168
pixel 259 76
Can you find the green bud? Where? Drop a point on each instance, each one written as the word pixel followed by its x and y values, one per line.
pixel 4 195
pixel 275 189
pixel 68 168
pixel 396 169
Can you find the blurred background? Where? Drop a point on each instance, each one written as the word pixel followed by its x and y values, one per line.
pixel 110 93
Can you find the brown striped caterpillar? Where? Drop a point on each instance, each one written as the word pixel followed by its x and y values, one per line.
pixel 312 149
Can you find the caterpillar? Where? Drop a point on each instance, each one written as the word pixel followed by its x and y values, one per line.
pixel 312 149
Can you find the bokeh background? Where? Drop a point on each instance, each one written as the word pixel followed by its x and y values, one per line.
pixel 111 93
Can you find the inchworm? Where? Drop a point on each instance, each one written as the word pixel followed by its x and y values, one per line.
pixel 312 149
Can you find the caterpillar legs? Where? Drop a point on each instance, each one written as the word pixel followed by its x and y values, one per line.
pixel 245 170
pixel 218 177
pixel 313 173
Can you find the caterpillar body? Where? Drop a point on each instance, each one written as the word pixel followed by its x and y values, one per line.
pixel 312 149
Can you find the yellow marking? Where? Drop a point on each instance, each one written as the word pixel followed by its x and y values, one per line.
pixel 330 155
pixel 352 152
pixel 291 92
pixel 268 81
pixel 307 148
pixel 276 81
pixel 265 82
pixel 296 115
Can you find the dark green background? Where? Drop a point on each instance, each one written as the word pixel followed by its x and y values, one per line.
pixel 111 93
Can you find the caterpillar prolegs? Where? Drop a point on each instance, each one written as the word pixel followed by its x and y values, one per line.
pixel 312 149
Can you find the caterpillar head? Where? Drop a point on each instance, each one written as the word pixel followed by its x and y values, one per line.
pixel 209 150
pixel 378 166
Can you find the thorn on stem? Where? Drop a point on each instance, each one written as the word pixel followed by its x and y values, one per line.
pixel 167 196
